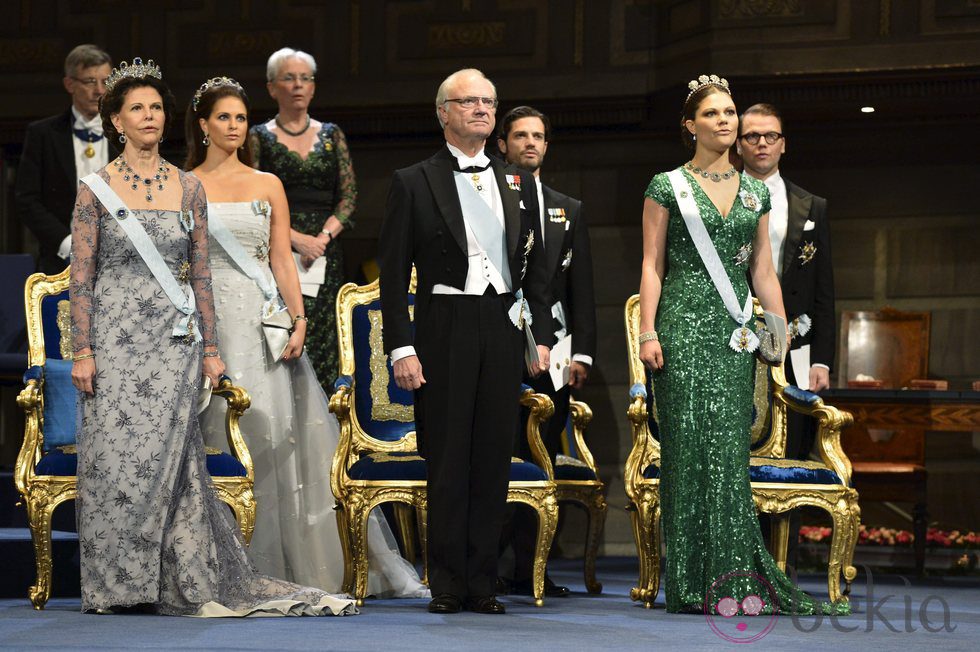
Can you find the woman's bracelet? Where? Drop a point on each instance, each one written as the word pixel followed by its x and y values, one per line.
pixel 649 336
pixel 328 233
pixel 300 318
pixel 210 354
pixel 84 356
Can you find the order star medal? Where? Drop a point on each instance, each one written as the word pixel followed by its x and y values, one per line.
pixel 807 252
pixel 89 151
pixel 743 340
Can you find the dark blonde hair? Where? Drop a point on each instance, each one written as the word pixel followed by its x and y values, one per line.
pixel 196 151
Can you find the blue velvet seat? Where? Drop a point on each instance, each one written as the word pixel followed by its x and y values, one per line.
pixel 778 484
pixel 377 459
pixel 47 462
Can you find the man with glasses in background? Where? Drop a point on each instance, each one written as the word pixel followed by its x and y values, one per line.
pixel 467 222
pixel 60 150
pixel 799 234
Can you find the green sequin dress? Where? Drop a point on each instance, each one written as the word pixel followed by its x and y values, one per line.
pixel 318 187
pixel 704 403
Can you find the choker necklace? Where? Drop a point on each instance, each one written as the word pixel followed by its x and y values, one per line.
pixel 713 176
pixel 130 176
pixel 293 133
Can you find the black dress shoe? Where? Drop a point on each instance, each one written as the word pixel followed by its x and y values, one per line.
pixel 551 590
pixel 485 605
pixel 445 603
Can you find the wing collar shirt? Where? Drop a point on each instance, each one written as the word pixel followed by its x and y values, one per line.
pixel 480 272
pixel 85 165
pixel 778 219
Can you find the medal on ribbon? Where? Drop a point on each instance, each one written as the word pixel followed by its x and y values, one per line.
pixel 513 181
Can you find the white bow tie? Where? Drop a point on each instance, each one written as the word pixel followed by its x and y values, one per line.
pixel 94 125
pixel 481 160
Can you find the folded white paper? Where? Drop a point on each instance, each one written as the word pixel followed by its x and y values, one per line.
pixel 531 358
pixel 310 279
pixel 800 360
pixel 561 362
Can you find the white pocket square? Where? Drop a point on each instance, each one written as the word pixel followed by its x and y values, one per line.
pixel 809 225
pixel 522 205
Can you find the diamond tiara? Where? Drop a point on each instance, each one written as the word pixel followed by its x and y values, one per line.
pixel 213 83
pixel 138 70
pixel 707 80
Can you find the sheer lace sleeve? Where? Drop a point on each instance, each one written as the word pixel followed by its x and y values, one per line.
pixel 195 200
pixel 85 220
pixel 347 182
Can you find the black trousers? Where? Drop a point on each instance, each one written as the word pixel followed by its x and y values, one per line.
pixel 523 528
pixel 801 433
pixel 471 356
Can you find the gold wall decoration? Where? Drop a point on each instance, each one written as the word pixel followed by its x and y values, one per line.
pixel 755 8
pixel 459 36
pixel 382 409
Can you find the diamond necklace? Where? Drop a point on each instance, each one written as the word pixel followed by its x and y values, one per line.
pixel 130 176
pixel 713 176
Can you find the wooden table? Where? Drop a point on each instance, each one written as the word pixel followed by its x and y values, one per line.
pixel 921 409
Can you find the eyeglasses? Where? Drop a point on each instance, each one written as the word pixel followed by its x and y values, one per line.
pixel 292 79
pixel 752 138
pixel 469 102
pixel 91 82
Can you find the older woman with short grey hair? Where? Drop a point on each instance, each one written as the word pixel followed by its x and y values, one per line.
pixel 312 160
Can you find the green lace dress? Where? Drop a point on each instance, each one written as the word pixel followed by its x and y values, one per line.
pixel 318 187
pixel 704 402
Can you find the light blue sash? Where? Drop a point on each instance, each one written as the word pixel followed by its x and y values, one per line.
pixel 148 252
pixel 485 226
pixel 743 338
pixel 245 262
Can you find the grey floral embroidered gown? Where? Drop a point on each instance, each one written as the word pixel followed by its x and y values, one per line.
pixel 151 530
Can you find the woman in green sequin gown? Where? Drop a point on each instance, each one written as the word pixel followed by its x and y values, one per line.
pixel 313 162
pixel 703 387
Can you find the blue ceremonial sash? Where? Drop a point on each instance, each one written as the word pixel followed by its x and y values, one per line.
pixel 148 252
pixel 485 226
pixel 223 235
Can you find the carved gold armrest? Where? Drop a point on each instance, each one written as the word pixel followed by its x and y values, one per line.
pixel 238 401
pixel 340 405
pixel 31 400
pixel 541 408
pixel 581 418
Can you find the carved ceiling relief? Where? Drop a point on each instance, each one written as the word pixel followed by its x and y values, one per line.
pixel 756 8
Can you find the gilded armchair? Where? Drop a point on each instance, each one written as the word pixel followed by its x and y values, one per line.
pixel 47 462
pixel 577 480
pixel 778 484
pixel 377 460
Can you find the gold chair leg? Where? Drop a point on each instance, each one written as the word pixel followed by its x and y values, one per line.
pixel 547 512
pixel 646 532
pixel 422 520
pixel 850 572
pixel 360 511
pixel 343 529
pixel 842 544
pixel 406 529
pixel 39 516
pixel 780 538
pixel 597 520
